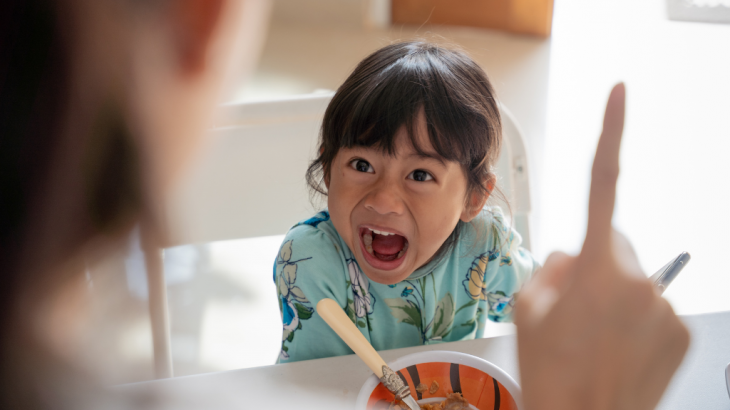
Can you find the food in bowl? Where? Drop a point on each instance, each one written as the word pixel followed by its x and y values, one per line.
pixel 453 401
pixel 434 377
pixel 433 389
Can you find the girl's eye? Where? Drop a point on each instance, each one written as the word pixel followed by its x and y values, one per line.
pixel 362 166
pixel 420 176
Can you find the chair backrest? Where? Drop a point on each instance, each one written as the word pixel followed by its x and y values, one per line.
pixel 513 177
pixel 250 181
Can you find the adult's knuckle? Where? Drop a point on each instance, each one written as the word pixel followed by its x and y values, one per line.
pixel 684 338
pixel 681 335
pixel 678 333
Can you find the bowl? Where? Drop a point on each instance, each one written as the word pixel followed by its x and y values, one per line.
pixel 484 385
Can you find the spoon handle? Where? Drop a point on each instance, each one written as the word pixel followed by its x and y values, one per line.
pixel 336 318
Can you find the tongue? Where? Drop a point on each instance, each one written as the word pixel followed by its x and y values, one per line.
pixel 388 245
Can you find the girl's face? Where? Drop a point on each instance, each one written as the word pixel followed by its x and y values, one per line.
pixel 395 212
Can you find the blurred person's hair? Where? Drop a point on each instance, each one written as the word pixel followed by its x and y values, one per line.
pixel 33 86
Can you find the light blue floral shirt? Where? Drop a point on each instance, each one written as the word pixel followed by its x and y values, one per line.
pixel 447 299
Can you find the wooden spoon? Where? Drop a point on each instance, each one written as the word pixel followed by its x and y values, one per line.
pixel 336 318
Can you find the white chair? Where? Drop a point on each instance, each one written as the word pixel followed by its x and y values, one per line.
pixel 513 176
pixel 250 181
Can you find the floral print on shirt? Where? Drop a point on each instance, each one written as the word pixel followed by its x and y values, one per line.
pixel 362 302
pixel 294 306
pixel 499 305
pixel 409 309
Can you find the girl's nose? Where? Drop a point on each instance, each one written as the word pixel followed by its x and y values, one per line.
pixel 385 200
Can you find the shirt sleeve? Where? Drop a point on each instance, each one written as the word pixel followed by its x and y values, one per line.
pixel 308 268
pixel 509 266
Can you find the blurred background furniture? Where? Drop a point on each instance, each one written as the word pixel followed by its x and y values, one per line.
pixel 531 17
pixel 702 11
pixel 249 181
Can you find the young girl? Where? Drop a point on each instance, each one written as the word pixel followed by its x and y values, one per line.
pixel 406 246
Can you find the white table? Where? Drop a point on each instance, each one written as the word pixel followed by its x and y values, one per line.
pixel 700 381
pixel 335 382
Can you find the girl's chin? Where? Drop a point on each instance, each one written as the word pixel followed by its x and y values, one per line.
pixel 384 278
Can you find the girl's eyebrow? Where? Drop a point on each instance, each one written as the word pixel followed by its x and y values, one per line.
pixel 429 155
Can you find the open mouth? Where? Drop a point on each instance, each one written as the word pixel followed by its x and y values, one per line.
pixel 382 249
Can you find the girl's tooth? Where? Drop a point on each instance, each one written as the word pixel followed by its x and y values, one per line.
pixel 375 231
pixel 369 248
pixel 402 251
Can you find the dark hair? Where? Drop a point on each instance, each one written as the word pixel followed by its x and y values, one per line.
pixel 32 86
pixel 390 88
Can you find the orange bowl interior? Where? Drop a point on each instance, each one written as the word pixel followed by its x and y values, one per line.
pixel 479 388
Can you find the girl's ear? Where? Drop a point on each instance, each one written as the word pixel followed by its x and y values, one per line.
pixel 476 201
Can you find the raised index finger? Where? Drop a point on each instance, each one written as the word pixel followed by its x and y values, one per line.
pixel 605 174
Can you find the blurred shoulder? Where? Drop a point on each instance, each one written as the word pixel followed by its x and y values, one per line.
pixel 316 235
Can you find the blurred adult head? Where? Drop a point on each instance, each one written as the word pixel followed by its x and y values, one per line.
pixel 102 102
